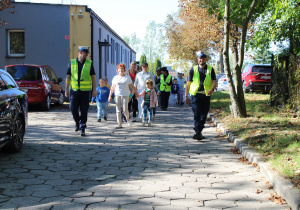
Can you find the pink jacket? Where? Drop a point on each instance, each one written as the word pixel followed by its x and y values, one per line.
pixel 153 97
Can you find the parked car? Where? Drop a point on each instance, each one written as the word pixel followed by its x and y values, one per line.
pixel 39 82
pixel 13 113
pixel 218 76
pixel 257 78
pixel 222 83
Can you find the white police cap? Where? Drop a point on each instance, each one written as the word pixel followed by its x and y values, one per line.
pixel 84 48
pixel 201 54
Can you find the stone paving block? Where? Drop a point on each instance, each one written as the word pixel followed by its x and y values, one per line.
pixel 201 196
pixel 89 199
pixel 170 195
pixel 122 200
pixel 186 203
pixel 155 201
pixel 71 206
pixel 170 207
pixel 219 203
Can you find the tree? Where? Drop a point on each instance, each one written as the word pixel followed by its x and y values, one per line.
pixel 157 64
pixel 5 4
pixel 152 45
pixel 143 59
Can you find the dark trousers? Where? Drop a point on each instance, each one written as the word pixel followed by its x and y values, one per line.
pixel 133 105
pixel 79 100
pixel 164 99
pixel 200 106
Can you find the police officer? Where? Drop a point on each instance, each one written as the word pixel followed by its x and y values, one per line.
pixel 165 88
pixel 201 84
pixel 81 76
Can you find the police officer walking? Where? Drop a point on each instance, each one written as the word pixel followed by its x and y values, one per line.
pixel 201 84
pixel 81 76
pixel 165 88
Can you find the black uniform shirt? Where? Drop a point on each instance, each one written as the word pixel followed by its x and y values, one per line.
pixel 80 66
pixel 202 74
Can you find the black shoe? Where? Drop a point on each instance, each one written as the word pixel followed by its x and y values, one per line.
pixel 198 136
pixel 82 132
pixel 182 104
pixel 99 120
pixel 76 127
pixel 105 118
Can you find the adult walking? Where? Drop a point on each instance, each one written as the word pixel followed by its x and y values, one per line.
pixel 140 84
pixel 120 85
pixel 81 76
pixel 157 84
pixel 133 102
pixel 165 88
pixel 181 82
pixel 201 84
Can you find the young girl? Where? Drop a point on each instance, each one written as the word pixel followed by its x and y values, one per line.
pixel 120 85
pixel 150 99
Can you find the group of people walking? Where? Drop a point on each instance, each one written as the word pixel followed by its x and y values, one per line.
pixel 138 92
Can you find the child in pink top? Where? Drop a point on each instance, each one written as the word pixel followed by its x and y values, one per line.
pixel 150 100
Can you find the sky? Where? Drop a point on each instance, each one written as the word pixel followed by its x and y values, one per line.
pixel 125 16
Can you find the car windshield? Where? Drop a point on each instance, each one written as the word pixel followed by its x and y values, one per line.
pixel 24 73
pixel 262 69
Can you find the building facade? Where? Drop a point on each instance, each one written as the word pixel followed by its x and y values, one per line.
pixel 50 34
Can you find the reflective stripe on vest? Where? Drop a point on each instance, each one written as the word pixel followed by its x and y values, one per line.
pixel 85 78
pixel 196 81
pixel 163 83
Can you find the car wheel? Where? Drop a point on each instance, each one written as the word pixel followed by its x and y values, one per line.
pixel 46 104
pixel 244 88
pixel 61 99
pixel 17 135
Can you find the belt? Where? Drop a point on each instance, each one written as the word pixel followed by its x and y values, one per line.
pixel 202 92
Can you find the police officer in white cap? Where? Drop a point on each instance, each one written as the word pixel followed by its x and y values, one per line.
pixel 201 84
pixel 81 77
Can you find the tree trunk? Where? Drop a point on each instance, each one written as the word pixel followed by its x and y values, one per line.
pixel 235 104
pixel 221 62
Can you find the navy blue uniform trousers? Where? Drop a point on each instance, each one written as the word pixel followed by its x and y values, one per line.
pixel 200 106
pixel 79 100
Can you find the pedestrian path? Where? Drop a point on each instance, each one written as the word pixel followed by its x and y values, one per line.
pixel 158 167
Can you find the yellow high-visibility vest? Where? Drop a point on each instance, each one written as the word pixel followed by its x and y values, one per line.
pixel 85 78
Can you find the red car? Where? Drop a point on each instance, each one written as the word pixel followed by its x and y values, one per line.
pixel 257 78
pixel 39 82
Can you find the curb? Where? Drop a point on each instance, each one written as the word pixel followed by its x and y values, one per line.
pixel 284 188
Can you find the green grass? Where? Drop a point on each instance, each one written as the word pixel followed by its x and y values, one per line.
pixel 274 132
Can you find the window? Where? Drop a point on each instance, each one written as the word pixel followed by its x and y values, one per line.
pixel 8 81
pixel 16 43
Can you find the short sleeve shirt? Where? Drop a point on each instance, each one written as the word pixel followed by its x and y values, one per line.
pixel 122 85
pixel 202 73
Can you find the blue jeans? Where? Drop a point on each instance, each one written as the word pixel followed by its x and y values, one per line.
pixel 102 109
pixel 79 100
pixel 147 110
pixel 200 106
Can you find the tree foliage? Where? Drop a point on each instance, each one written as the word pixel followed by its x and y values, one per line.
pixel 152 45
pixel 143 59
pixel 157 63
pixel 279 23
pixel 5 4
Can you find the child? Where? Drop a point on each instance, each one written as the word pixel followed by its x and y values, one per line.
pixel 101 99
pixel 150 99
pixel 174 92
pixel 105 79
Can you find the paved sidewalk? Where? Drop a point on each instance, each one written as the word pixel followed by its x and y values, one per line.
pixel 158 167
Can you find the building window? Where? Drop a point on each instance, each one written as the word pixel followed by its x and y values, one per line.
pixel 16 43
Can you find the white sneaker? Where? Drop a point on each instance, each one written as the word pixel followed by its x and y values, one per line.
pixel 133 119
pixel 144 123
pixel 149 123
pixel 129 123
pixel 119 126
